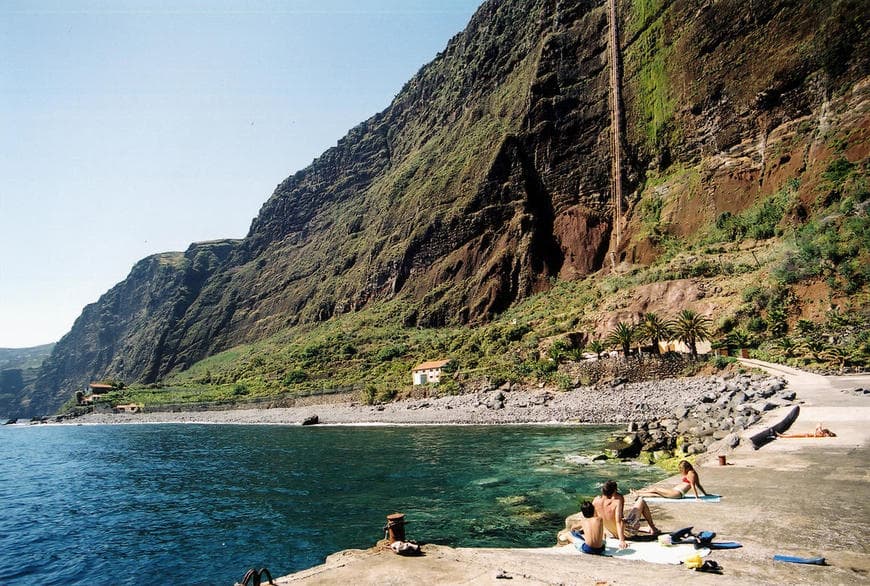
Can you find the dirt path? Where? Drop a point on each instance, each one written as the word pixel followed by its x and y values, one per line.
pixel 805 497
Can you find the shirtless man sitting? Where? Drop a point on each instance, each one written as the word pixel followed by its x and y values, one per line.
pixel 610 505
pixel 593 530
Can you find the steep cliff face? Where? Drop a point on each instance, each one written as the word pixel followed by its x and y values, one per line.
pixel 488 176
pixel 463 194
pixel 124 334
pixel 727 102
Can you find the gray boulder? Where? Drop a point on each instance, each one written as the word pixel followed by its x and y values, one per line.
pixel 787 395
pixel 732 440
pixel 687 424
pixel 696 449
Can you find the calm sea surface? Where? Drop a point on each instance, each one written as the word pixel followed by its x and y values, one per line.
pixel 200 504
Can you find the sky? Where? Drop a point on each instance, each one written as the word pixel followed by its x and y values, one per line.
pixel 129 128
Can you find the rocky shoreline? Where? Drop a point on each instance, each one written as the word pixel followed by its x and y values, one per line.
pixel 712 422
pixel 690 415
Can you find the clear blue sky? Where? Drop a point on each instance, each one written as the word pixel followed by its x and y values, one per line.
pixel 134 127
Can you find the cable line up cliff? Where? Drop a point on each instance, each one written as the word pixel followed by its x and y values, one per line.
pixel 487 178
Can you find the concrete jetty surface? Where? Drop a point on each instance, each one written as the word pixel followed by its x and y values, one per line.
pixel 802 497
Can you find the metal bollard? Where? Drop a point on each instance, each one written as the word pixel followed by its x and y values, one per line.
pixel 395 527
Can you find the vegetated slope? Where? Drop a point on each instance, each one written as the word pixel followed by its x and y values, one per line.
pixel 487 178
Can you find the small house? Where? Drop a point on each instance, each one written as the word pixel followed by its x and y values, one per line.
pixel 130 408
pixel 100 388
pixel 703 347
pixel 428 372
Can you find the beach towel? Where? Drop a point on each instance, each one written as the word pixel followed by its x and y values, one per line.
pixel 653 552
pixel 646 551
pixel 724 545
pixel 702 539
pixel 709 498
pixel 817 561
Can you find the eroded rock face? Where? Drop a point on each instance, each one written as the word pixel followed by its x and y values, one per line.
pixel 488 176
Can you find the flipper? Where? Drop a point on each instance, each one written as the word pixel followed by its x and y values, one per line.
pixel 681 534
pixel 818 561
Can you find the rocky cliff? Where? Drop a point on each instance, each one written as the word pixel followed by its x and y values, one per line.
pixel 489 176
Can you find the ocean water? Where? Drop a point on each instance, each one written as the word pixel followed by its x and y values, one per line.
pixel 200 504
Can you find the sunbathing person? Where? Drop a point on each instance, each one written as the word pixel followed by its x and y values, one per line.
pixel 818 432
pixel 610 507
pixel 689 481
pixel 593 530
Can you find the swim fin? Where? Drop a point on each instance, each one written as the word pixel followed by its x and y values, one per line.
pixel 681 534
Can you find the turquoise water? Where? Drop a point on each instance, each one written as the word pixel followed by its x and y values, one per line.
pixel 199 504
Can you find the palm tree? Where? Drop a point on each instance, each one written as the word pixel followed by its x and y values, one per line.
pixel 814 344
pixel 597 347
pixel 622 335
pixel 740 340
pixel 655 329
pixel 786 345
pixel 837 355
pixel 690 328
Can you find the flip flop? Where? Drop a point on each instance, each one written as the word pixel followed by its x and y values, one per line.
pixel 710 567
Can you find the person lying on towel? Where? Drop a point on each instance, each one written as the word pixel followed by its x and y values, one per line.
pixel 689 481
pixel 818 432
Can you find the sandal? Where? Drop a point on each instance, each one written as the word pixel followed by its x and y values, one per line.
pixel 710 567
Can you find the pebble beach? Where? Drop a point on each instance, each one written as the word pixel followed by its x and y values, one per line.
pixel 621 403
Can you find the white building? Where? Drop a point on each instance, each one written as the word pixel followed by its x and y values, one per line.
pixel 428 372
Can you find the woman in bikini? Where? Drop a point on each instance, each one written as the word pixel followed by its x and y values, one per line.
pixel 818 432
pixel 689 481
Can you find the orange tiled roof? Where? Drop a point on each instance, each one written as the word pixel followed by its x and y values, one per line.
pixel 432 364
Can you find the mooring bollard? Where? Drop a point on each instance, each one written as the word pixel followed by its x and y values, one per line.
pixel 721 460
pixel 395 527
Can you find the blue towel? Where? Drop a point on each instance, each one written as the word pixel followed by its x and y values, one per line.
pixel 724 545
pixel 708 498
